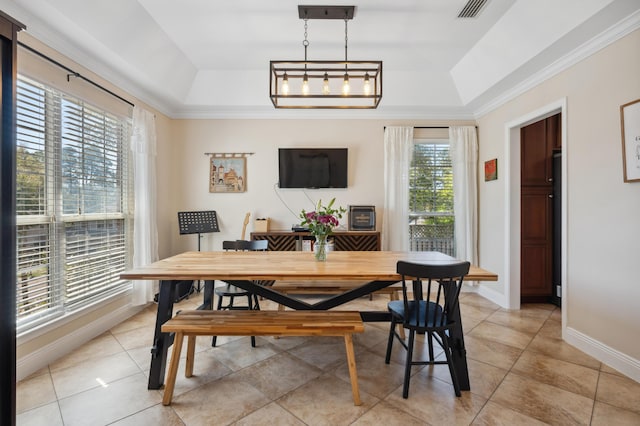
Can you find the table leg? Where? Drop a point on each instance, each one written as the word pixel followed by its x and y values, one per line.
pixel 207 302
pixel 161 341
pixel 459 353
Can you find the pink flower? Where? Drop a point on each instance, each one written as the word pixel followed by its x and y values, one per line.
pixel 324 219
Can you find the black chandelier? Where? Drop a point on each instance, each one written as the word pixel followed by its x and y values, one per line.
pixel 325 84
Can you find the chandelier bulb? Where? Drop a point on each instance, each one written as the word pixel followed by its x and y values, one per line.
pixel 305 84
pixel 285 84
pixel 325 84
pixel 367 85
pixel 345 85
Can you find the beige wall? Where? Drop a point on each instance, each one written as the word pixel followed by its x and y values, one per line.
pixel 603 233
pixel 188 169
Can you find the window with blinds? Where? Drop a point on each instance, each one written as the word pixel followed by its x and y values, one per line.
pixel 431 198
pixel 72 195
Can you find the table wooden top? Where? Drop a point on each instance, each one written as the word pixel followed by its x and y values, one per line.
pixel 291 265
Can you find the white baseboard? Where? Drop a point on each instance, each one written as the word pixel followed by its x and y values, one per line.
pixel 42 357
pixel 623 363
pixel 492 295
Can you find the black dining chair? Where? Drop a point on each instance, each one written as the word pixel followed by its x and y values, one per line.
pixel 232 292
pixel 428 307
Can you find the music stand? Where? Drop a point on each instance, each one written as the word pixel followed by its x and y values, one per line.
pixel 198 223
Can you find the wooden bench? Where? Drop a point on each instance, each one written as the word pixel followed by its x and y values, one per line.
pixel 259 323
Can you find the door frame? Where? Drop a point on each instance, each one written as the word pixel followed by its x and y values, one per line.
pixel 512 200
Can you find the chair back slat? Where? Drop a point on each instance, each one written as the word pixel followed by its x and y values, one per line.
pixel 252 245
pixel 435 292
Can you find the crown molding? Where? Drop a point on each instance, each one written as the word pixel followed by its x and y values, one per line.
pixel 268 112
pixel 604 39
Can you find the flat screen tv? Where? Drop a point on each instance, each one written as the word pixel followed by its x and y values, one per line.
pixel 312 167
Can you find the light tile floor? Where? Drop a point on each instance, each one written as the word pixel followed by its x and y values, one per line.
pixel 521 372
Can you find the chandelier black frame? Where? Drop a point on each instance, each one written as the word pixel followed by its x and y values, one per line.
pixel 325 84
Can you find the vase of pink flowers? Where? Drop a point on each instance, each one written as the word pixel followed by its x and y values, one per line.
pixel 321 223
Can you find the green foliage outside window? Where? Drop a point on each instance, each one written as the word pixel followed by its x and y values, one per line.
pixel 431 198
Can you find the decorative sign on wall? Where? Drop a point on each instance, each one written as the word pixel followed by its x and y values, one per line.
pixel 630 124
pixel 362 218
pixel 491 170
pixel 228 171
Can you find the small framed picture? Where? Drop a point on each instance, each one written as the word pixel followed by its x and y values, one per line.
pixel 362 218
pixel 491 170
pixel 227 174
pixel 630 124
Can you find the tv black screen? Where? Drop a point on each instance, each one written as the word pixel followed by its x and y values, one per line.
pixel 312 167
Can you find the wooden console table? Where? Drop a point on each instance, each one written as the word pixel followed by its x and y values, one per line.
pixel 343 241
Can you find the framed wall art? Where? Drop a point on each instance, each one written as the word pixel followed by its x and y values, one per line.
pixel 491 170
pixel 227 173
pixel 630 125
pixel 362 218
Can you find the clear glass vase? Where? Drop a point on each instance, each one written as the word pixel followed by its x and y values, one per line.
pixel 320 248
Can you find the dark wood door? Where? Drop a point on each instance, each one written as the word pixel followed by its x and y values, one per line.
pixel 535 155
pixel 538 142
pixel 536 244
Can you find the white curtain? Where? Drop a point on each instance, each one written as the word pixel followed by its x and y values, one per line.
pixel 398 149
pixel 464 158
pixel 145 232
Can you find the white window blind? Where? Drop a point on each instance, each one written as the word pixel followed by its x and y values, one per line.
pixel 431 198
pixel 72 196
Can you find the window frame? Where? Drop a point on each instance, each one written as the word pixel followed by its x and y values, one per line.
pixel 112 128
pixel 446 243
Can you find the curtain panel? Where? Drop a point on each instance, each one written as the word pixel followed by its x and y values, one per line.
pixel 464 159
pixel 145 232
pixel 398 149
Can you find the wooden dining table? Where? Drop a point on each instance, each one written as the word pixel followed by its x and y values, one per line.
pixel 367 270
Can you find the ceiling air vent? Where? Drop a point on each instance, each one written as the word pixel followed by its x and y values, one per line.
pixel 471 9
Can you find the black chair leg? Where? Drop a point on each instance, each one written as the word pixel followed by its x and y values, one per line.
pixel 219 308
pixel 390 341
pixel 219 305
pixel 408 365
pixel 251 306
pixel 430 338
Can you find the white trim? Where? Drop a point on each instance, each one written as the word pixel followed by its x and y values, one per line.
pixel 401 112
pixel 512 204
pixel 42 357
pixel 492 295
pixel 623 363
pixel 602 40
pixel 34 332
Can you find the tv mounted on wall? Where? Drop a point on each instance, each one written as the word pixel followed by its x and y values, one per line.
pixel 312 167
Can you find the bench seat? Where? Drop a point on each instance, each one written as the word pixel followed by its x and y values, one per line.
pixel 259 323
